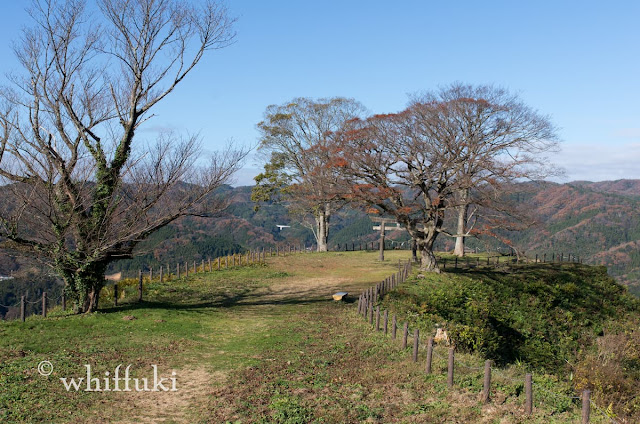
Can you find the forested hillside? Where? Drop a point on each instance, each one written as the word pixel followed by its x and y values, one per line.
pixel 600 222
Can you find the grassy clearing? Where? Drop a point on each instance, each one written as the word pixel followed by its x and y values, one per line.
pixel 211 323
pixel 257 344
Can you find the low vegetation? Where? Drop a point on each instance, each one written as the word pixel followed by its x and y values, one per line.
pixel 540 314
pixel 568 319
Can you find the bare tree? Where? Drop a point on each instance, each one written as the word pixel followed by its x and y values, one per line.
pixel 299 135
pixel 501 141
pixel 83 194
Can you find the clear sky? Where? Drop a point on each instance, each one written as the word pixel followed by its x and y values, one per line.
pixel 577 61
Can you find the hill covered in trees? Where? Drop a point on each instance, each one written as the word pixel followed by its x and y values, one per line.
pixel 599 222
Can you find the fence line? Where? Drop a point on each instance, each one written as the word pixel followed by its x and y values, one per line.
pixel 370 298
pixel 217 264
pixel 252 256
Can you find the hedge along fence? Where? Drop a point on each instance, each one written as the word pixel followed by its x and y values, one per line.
pixel 369 309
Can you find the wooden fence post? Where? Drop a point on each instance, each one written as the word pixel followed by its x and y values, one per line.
pixel 429 354
pixel 64 301
pixel 487 381
pixel 416 342
pixel 218 263
pixel 186 269
pixel 586 406
pixel 371 314
pixel 178 269
pixel 377 318
pixel 544 258
pixel 405 335
pixel 394 327
pixel 140 286
pixel 44 304
pixel 115 294
pixel 450 368
pixel 528 390
pixel 22 309
pixel 161 274
pixel 386 321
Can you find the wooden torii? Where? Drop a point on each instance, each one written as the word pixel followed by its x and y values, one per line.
pixel 382 229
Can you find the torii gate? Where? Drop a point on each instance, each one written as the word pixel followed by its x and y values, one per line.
pixel 381 227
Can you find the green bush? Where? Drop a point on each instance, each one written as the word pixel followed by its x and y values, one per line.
pixel 539 314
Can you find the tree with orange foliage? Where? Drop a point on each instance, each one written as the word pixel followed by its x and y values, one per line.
pixel 500 140
pixel 299 136
pixel 395 168
pixel 460 146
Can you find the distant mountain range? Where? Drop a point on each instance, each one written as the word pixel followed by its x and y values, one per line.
pixel 599 222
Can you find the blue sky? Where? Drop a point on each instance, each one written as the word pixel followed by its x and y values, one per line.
pixel 577 61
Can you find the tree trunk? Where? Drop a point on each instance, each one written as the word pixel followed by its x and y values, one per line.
pixel 91 299
pixel 322 227
pixel 414 250
pixel 84 285
pixel 427 257
pixel 462 223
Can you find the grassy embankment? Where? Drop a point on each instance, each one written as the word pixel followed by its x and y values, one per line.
pixel 256 344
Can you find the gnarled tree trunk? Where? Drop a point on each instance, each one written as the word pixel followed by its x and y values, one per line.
pixel 428 261
pixel 85 284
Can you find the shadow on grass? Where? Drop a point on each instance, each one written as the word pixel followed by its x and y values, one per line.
pixel 222 301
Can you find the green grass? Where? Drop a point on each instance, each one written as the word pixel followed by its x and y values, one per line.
pixel 215 321
pixel 262 344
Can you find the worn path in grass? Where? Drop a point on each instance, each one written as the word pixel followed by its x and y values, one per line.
pixel 202 327
pixel 258 344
